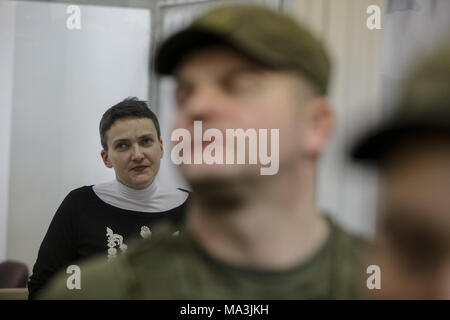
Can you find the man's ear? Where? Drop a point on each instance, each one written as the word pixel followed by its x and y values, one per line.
pixel 320 126
pixel 105 158
pixel 162 148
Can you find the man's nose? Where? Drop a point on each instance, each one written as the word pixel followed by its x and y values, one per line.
pixel 204 103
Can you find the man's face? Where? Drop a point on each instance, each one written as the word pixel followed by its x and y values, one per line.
pixel 134 151
pixel 225 90
pixel 414 235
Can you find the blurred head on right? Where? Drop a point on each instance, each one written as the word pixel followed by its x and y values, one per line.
pixel 412 153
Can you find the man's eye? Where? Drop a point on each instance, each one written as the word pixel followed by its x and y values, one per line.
pixel 241 85
pixel 183 93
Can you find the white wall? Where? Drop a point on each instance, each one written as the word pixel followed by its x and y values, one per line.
pixel 7 17
pixel 347 191
pixel 413 29
pixel 63 81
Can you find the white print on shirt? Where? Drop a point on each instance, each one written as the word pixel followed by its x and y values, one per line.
pixel 115 241
pixel 145 232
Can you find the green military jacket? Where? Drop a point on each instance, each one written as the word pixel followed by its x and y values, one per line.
pixel 168 267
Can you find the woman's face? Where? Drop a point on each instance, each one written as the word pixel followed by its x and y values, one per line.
pixel 134 151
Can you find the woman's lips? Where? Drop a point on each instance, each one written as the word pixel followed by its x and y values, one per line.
pixel 139 168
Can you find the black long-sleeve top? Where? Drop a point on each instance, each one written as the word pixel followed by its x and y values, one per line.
pixel 84 225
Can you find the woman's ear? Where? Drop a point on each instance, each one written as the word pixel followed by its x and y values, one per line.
pixel 320 126
pixel 162 148
pixel 105 158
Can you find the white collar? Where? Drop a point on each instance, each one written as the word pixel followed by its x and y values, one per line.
pixel 139 195
pixel 155 198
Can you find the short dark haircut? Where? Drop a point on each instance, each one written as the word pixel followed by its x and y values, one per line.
pixel 131 107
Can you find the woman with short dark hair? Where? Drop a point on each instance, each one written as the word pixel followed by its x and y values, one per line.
pixel 102 219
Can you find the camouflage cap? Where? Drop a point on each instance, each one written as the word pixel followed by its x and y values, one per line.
pixel 423 107
pixel 271 38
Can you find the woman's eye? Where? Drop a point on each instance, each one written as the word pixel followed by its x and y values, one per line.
pixel 121 146
pixel 147 141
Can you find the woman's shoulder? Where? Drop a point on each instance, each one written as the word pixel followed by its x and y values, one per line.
pixel 80 193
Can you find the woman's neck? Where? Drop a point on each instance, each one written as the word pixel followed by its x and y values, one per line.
pixel 135 194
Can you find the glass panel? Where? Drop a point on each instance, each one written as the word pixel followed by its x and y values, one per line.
pixel 63 81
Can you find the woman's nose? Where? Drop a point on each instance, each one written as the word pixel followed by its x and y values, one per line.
pixel 137 153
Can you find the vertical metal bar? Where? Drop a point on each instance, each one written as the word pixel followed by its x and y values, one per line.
pixel 153 92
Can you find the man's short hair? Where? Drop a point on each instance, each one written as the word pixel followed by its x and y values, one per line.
pixel 131 107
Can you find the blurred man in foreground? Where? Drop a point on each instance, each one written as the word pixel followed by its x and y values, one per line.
pixel 248 235
pixel 412 153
